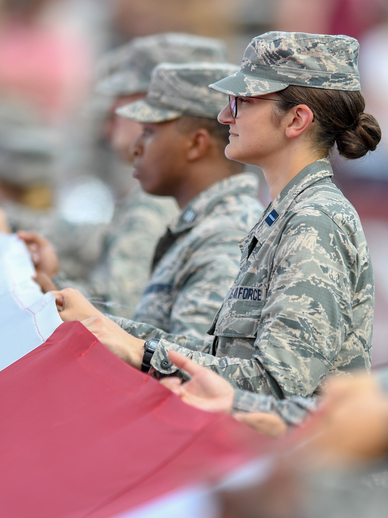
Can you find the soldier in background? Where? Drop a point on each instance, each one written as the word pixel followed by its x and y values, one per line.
pixel 180 153
pixel 122 270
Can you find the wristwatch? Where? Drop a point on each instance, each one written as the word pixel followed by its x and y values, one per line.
pixel 149 348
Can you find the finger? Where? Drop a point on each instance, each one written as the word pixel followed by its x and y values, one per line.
pixel 28 237
pixel 182 362
pixel 59 298
pixel 31 238
pixel 44 282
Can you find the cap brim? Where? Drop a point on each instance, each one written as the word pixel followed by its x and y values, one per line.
pixel 143 111
pixel 244 85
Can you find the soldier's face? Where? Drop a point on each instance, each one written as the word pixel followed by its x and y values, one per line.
pixel 254 137
pixel 124 131
pixel 160 158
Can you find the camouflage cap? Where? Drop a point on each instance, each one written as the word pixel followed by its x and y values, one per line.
pixel 178 90
pixel 128 70
pixel 275 60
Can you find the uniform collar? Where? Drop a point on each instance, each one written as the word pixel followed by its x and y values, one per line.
pixel 310 175
pixel 307 177
pixel 200 206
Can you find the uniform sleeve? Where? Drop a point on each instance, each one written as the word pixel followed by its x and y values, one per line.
pixel 293 411
pixel 204 282
pixel 305 317
pixel 146 331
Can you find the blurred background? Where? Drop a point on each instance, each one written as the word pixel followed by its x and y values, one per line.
pixel 54 150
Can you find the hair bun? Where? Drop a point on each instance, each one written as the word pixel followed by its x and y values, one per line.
pixel 360 137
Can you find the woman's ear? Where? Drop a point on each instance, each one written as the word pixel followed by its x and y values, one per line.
pixel 300 118
pixel 198 144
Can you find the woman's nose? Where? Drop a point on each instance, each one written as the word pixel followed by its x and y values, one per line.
pixel 225 117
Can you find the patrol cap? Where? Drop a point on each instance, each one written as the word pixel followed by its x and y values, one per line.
pixel 178 90
pixel 128 69
pixel 275 60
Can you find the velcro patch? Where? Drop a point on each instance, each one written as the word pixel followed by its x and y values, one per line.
pixel 271 218
pixel 245 293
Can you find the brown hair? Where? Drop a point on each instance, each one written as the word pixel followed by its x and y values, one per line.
pixel 339 117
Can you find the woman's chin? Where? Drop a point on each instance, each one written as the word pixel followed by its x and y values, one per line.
pixel 232 154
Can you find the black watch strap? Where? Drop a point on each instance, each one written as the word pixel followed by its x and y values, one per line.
pixel 149 349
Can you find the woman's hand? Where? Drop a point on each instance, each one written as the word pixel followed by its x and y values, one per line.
pixel 72 305
pixel 206 389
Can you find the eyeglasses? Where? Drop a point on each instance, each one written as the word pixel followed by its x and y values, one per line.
pixel 233 103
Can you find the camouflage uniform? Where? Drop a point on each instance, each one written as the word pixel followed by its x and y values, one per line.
pixel 292 411
pixel 118 279
pixel 122 271
pixel 122 252
pixel 301 306
pixel 198 257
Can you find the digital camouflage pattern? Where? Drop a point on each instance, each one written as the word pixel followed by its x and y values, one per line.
pixel 127 70
pixel 293 411
pixel 275 60
pixel 199 257
pixel 123 268
pixel 302 304
pixel 177 90
pixel 29 148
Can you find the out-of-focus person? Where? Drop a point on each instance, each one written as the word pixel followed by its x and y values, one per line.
pixel 181 153
pixel 122 271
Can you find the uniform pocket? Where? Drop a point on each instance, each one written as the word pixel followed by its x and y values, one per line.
pixel 239 318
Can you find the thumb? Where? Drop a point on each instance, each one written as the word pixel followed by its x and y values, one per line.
pixel 59 299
